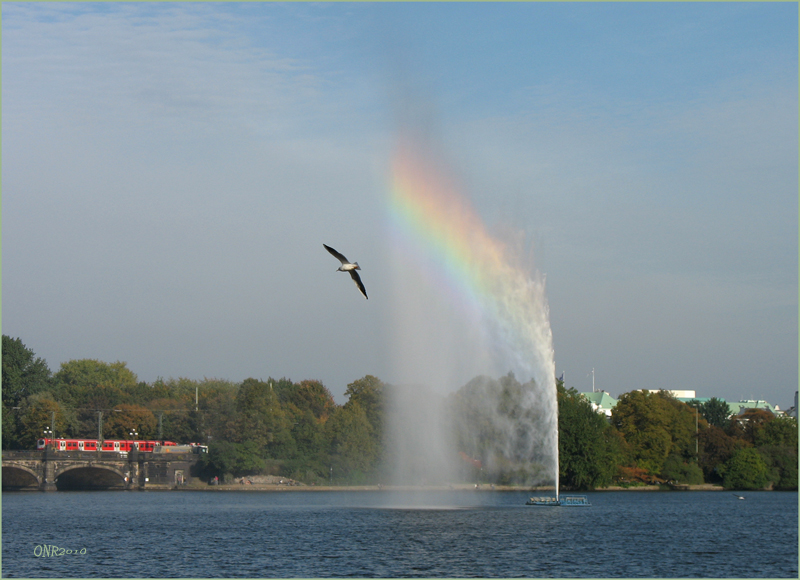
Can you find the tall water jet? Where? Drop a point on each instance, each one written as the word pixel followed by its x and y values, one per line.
pixel 467 303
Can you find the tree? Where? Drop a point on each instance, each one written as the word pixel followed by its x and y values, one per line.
pixel 10 428
pixel 90 383
pixel 255 396
pixel 781 462
pixel 716 448
pixel 368 393
pixel 777 444
pixel 310 396
pixel 588 450
pixel 753 421
pixel 745 470
pixel 23 373
pixel 643 419
pixel 676 469
pixel 127 419
pixel 780 431
pixel 262 421
pixel 655 425
pixel 503 424
pixel 177 422
pixel 716 412
pixel 352 448
pixel 41 412
pixel 228 459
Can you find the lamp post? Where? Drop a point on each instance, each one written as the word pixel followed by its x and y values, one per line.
pixel 99 430
pixel 48 434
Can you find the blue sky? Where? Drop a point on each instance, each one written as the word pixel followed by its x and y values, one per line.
pixel 170 172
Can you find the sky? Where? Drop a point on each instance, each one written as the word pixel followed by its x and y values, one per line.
pixel 170 172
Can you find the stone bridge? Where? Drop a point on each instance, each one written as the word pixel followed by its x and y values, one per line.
pixel 50 470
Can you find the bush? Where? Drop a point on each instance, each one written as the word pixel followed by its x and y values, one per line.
pixel 745 470
pixel 235 459
pixel 675 469
pixel 781 465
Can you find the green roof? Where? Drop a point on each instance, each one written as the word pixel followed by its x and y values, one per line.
pixel 738 407
pixel 602 399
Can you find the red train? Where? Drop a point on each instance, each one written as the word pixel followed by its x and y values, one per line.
pixel 93 444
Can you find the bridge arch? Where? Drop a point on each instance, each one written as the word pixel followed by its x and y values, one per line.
pixel 91 477
pixel 17 476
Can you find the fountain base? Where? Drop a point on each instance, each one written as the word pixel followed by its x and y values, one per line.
pixel 569 500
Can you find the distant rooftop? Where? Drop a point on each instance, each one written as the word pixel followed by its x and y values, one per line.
pixel 601 402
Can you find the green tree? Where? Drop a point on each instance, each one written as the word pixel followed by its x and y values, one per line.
pixel 643 419
pixel 477 433
pixel 352 448
pixel 23 373
pixel 777 444
pixel 226 460
pixel 716 448
pixel 588 450
pixel 127 419
pixel 655 425
pixel 255 396
pixel 93 384
pixel 10 428
pixel 176 421
pixel 753 421
pixel 493 421
pixel 780 431
pixel 781 462
pixel 309 396
pixel 41 412
pixel 716 412
pixel 745 470
pixel 369 394
pixel 677 469
pixel 262 421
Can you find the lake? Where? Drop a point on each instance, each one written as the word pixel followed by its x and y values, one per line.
pixel 386 534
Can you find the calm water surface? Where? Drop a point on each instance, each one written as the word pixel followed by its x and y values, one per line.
pixel 381 534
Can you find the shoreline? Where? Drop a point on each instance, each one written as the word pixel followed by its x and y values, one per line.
pixel 427 488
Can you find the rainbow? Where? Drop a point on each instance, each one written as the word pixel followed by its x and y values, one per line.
pixel 438 229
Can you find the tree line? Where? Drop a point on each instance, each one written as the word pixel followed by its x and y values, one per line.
pixel 297 430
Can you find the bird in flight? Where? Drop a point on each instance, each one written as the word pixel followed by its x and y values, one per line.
pixel 347 266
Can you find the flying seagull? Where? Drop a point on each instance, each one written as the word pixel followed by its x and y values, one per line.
pixel 347 266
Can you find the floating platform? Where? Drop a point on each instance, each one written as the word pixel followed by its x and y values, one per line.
pixel 568 500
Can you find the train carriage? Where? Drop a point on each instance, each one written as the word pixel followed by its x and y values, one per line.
pixel 111 445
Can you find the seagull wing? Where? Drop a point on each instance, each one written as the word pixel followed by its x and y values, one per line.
pixel 337 255
pixel 357 279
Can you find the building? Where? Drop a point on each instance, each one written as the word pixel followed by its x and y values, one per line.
pixel 741 406
pixel 680 395
pixel 604 403
pixel 601 402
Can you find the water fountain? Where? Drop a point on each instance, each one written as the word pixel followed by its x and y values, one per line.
pixel 468 303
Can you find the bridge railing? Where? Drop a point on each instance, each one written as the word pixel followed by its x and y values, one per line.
pixel 22 454
pixel 40 454
pixel 73 454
